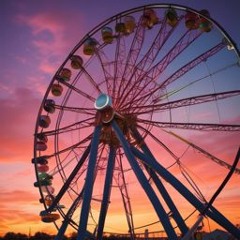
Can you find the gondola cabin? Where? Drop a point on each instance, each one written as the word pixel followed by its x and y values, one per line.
pixel 120 28
pixel 65 74
pixel 40 160
pixel 42 168
pixel 149 18
pixel 191 20
pixel 76 63
pixel 41 145
pixel 45 182
pixel 50 217
pixel 44 121
pixel 41 142
pixel 204 24
pixel 89 46
pixel 130 24
pixel 49 106
pixel 107 34
pixel 171 17
pixel 57 90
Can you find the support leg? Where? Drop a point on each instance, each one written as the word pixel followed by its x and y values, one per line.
pixel 145 184
pixel 106 192
pixel 89 184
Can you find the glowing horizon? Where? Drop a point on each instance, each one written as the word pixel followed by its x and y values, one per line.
pixel 38 39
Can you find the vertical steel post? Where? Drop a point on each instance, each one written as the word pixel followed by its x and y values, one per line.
pixel 89 184
pixel 106 192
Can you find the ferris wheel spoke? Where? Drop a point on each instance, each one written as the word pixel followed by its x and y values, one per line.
pixel 194 126
pixel 132 56
pixel 179 73
pixel 147 60
pixel 91 80
pixel 73 146
pixel 156 139
pixel 120 56
pixel 204 152
pixel 161 38
pixel 75 89
pixel 106 66
pixel 87 111
pixel 160 66
pixel 70 178
pixel 201 58
pixel 186 102
pixel 71 127
pixel 186 175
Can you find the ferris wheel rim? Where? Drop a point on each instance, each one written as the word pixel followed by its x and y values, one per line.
pixel 108 102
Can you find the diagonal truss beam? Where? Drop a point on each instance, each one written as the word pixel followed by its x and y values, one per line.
pixel 165 174
pixel 160 211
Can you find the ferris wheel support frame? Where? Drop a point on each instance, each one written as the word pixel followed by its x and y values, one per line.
pixel 163 216
pixel 213 213
pixel 150 162
pixel 107 192
pixel 89 181
pixel 138 155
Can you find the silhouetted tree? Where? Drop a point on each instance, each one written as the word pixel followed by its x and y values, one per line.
pixel 15 236
pixel 42 236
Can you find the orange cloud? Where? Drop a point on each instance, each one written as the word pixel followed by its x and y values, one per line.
pixel 15 210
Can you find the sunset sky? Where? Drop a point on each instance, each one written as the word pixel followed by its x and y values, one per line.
pixel 36 37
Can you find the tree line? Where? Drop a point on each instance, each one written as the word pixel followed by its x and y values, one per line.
pixel 45 236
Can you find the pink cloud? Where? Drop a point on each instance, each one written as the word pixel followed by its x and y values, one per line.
pixel 53 35
pixel 18 116
pixel 18 196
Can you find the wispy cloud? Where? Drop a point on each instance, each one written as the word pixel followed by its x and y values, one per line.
pixel 53 35
pixel 11 213
pixel 18 116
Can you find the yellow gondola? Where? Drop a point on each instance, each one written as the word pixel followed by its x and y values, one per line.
pixel 107 34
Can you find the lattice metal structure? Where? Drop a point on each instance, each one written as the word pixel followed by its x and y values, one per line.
pixel 134 121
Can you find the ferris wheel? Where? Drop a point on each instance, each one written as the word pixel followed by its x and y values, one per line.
pixel 143 112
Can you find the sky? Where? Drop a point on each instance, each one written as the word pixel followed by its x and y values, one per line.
pixel 36 37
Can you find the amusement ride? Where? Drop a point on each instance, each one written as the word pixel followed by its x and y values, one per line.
pixel 140 116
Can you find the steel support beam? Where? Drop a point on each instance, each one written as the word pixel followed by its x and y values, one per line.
pixel 175 213
pixel 160 211
pixel 106 192
pixel 165 174
pixel 89 182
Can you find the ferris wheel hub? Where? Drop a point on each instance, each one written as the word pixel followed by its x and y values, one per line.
pixel 103 101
